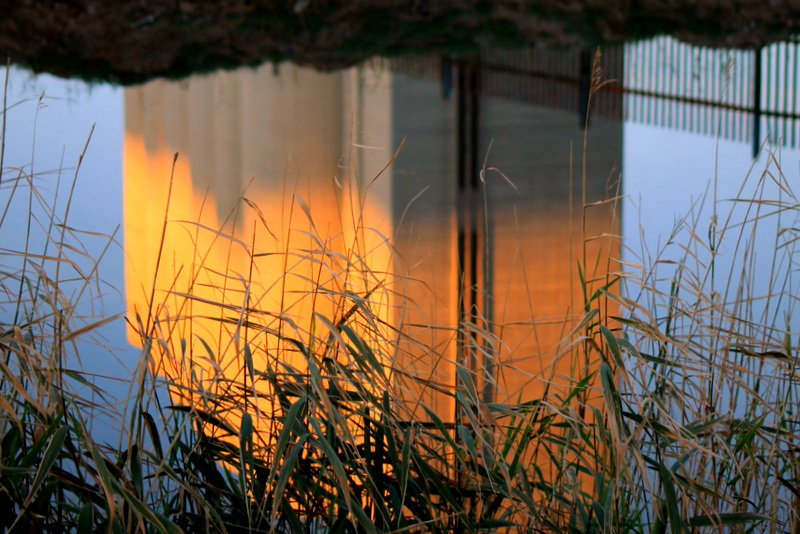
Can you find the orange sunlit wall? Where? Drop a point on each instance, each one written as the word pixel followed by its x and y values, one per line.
pixel 293 146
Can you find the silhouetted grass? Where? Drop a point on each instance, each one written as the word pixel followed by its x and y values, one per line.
pixel 681 415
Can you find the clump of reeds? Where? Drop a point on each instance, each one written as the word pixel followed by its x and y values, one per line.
pixel 709 404
pixel 682 417
pixel 52 473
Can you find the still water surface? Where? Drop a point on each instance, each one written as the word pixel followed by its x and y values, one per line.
pixel 486 190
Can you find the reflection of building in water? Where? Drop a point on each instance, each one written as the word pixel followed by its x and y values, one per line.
pixel 275 138
pixel 483 185
pixel 473 249
pixel 529 105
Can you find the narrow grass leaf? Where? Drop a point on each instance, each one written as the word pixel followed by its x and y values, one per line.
pixel 32 457
pixel 466 437
pixel 49 457
pixel 670 499
pixel 432 476
pixel 86 519
pixel 612 398
pixel 248 358
pixel 89 327
pixel 405 465
pixel 363 519
pixel 286 430
pixel 364 350
pixel 745 439
pixel 245 452
pixel 335 462
pixel 155 436
pixel 207 417
pixel 285 473
pixel 613 346
pixel 136 470
pixel 733 518
pixel 444 432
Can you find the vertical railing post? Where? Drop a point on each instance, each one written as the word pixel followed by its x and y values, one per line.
pixel 475 264
pixel 446 69
pixel 465 157
pixel 585 86
pixel 757 103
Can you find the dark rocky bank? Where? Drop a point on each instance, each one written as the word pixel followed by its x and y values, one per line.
pixel 132 41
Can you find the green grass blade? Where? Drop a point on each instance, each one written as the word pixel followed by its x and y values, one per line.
pixel 245 452
pixel 671 499
pixel 49 457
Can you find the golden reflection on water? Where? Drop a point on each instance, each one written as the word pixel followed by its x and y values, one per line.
pixel 308 230
pixel 276 138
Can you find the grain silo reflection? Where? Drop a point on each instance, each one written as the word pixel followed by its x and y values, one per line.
pixel 479 222
pixel 291 145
